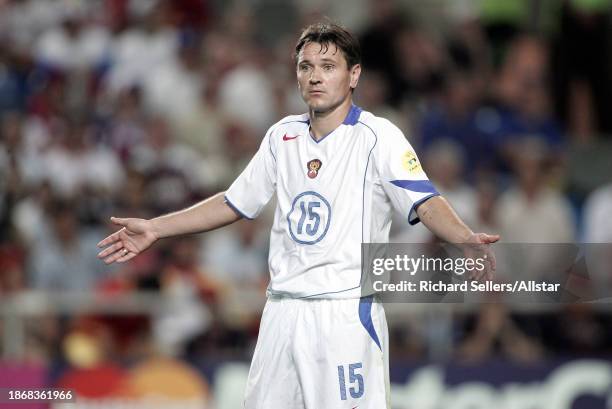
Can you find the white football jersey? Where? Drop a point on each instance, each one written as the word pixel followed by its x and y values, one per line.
pixel 332 195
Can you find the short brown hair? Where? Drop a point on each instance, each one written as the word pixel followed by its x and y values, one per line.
pixel 330 33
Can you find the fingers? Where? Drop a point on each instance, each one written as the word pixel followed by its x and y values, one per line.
pixel 489 238
pixel 110 239
pixel 116 250
pixel 485 268
pixel 482 247
pixel 110 249
pixel 114 256
pixel 127 257
pixel 492 259
pixel 119 221
pixel 119 255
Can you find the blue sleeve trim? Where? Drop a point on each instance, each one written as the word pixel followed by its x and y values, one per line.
pixel 415 220
pixel 238 211
pixel 420 186
pixel 365 316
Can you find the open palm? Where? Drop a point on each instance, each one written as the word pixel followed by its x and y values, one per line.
pixel 136 236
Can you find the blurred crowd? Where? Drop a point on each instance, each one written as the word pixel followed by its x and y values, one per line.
pixel 135 108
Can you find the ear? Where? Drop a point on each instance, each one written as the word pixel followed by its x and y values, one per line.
pixel 355 73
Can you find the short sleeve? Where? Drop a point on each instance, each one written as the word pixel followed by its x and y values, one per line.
pixel 401 174
pixel 254 188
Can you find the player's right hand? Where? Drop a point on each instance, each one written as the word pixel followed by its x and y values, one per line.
pixel 479 246
pixel 136 236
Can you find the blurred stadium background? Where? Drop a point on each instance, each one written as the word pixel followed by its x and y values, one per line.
pixel 138 107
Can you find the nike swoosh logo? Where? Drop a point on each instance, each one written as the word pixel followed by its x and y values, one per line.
pixel 288 138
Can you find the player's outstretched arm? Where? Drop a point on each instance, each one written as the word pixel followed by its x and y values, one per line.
pixel 440 218
pixel 137 235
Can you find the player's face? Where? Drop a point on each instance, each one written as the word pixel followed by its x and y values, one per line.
pixel 324 78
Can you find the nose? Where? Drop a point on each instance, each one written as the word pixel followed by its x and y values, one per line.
pixel 314 76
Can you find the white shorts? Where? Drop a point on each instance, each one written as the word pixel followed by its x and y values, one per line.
pixel 320 354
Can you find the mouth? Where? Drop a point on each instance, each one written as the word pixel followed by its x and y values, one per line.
pixel 316 92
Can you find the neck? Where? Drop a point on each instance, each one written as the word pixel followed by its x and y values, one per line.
pixel 322 123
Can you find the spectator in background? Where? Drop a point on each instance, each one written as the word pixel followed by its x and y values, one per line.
pixel 580 330
pixel 523 105
pixel 496 333
pixel 126 123
pixel 29 215
pixel 246 95
pixel 186 285
pixel 134 197
pixel 377 42
pixel 201 127
pixel 174 171
pixel 11 82
pixel 32 139
pixel 151 40
pixel 74 163
pixel 467 44
pixel 598 230
pixel 78 49
pixel 373 94
pixel 487 193
pixel 12 265
pixel 48 102
pixel 597 220
pixel 582 85
pixel 23 21
pixel 191 14
pixel 175 85
pixel 458 113
pixel 12 189
pixel 531 211
pixel 237 255
pixel 445 165
pixel 11 184
pixel 459 118
pixel 502 21
pixel 75 44
pixel 240 143
pixel 421 61
pixel 61 258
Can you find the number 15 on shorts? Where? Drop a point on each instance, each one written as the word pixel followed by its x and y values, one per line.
pixel 355 381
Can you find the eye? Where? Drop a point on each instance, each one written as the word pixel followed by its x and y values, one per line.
pixel 304 67
pixel 328 67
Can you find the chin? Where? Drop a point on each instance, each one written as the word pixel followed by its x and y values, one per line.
pixel 320 106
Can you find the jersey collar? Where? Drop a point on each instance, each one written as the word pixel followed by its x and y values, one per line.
pixel 353 115
pixel 351 119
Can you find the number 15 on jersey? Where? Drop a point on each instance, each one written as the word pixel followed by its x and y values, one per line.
pixel 309 218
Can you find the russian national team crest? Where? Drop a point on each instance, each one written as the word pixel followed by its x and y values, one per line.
pixel 313 168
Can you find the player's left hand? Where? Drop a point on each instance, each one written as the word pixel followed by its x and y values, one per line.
pixel 479 246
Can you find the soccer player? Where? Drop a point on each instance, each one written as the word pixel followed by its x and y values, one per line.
pixel 337 172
